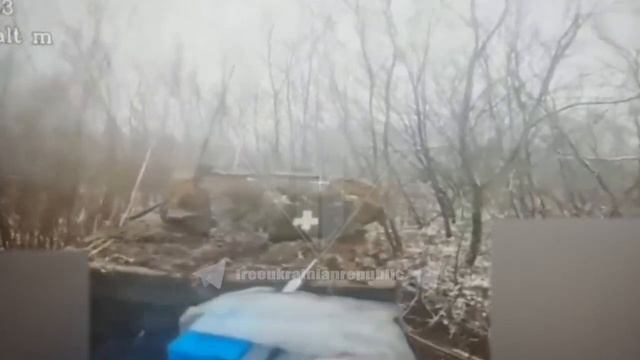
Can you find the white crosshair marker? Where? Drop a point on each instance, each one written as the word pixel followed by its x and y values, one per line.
pixel 306 221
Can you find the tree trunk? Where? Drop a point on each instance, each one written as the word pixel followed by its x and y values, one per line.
pixel 476 225
pixel 443 200
pixel 5 231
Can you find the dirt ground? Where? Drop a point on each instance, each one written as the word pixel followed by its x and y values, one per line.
pixel 151 244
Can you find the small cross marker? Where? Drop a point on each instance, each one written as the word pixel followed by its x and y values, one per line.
pixel 306 221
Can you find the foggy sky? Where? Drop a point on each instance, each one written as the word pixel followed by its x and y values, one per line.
pixel 146 32
pixel 144 35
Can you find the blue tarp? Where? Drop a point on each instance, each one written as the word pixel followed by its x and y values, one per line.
pixel 300 325
pixel 192 345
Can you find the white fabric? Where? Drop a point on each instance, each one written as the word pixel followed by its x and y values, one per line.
pixel 304 323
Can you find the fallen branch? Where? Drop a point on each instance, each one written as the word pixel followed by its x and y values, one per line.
pixel 454 353
pixel 143 168
pixel 614 158
pixel 94 243
pixel 126 259
pixel 146 211
pixel 101 247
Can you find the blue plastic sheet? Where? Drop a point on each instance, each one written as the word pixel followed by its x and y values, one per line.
pixel 192 345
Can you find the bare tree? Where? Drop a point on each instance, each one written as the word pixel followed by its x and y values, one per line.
pixel 275 95
pixel 372 82
pixel 463 118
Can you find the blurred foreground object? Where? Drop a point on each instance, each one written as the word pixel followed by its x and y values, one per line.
pixel 575 279
pixel 44 307
pixel 296 325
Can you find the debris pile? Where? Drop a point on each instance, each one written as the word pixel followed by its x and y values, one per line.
pixel 149 243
